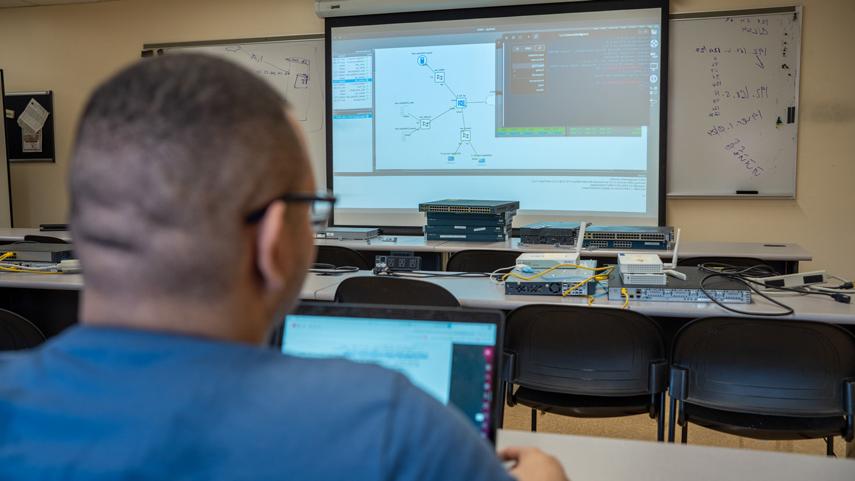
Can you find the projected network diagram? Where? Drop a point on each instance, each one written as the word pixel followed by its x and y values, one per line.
pixel 435 106
pixel 458 103
pixel 435 109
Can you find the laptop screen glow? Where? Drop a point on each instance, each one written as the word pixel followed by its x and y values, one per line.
pixel 452 361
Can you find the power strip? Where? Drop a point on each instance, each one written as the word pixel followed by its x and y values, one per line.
pixel 398 263
pixel 792 281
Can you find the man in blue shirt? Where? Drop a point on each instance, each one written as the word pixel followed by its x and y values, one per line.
pixel 191 195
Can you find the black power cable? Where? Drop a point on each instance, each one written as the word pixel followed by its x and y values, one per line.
pixel 743 275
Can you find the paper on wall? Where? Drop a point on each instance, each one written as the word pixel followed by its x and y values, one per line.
pixel 31 141
pixel 34 116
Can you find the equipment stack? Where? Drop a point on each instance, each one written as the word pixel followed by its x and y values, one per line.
pixel 598 237
pixel 469 220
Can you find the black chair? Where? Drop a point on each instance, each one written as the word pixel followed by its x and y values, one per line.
pixel 764 379
pixel 475 260
pixel 338 256
pixel 733 261
pixel 585 362
pixel 17 332
pixel 393 291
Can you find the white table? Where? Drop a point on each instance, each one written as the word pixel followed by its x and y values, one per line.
pixel 17 234
pixel 480 292
pixel 604 459
pixel 783 252
pixel 386 243
pixel 764 251
pixel 787 254
pixel 312 285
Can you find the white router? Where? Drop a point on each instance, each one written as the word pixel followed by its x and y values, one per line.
pixel 648 269
pixel 632 263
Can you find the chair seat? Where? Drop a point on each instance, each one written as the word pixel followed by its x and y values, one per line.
pixel 582 406
pixel 764 427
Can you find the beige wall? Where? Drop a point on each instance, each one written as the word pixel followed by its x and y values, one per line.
pixel 68 49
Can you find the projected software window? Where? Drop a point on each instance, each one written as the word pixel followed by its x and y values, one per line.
pixel 560 112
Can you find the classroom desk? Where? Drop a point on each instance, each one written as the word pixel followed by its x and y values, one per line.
pixel 604 459
pixel 770 252
pixel 480 292
pixel 74 282
pixel 767 252
pixel 52 301
pixel 786 255
pixel 17 234
pixel 401 243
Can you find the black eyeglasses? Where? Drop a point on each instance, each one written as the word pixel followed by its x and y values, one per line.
pixel 321 207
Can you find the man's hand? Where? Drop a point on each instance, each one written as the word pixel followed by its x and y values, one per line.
pixel 532 464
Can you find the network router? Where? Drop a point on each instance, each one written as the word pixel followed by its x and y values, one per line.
pixel 723 289
pixel 553 283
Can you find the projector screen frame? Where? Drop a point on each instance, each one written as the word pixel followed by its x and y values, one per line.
pixel 495 12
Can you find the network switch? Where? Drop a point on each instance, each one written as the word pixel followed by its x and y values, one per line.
pixel 464 206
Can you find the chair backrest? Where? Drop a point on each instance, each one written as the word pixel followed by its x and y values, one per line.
pixel 763 366
pixel 733 261
pixel 17 332
pixel 342 256
pixel 394 291
pixel 475 260
pixel 585 350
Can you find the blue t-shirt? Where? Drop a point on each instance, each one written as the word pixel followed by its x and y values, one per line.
pixel 107 404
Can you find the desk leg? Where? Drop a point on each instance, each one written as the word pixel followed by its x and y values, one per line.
pixel 850 450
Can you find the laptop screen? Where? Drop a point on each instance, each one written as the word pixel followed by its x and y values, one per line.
pixel 447 353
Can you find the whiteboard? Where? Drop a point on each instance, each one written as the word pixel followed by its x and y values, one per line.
pixel 294 66
pixel 733 98
pixel 5 188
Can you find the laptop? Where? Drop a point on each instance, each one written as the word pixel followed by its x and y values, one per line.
pixel 452 354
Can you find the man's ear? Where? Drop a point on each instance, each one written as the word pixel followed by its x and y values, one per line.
pixel 271 248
